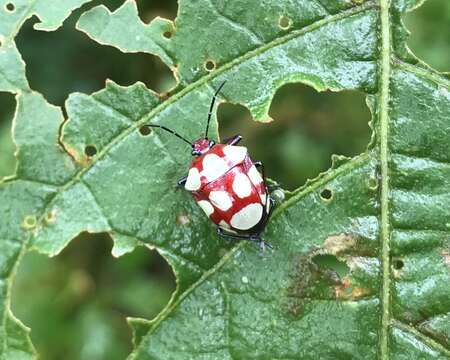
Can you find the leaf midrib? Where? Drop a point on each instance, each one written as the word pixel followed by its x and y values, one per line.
pixel 387 62
pixel 385 66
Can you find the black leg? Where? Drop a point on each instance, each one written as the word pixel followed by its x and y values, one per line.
pixel 259 164
pixel 182 181
pixel 228 236
pixel 232 140
pixel 272 206
pixel 254 238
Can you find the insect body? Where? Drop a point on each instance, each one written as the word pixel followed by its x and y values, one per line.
pixel 226 184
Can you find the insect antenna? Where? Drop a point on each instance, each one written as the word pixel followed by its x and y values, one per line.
pixel 170 131
pixel 212 106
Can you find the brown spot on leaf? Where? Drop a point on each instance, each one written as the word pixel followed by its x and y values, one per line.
pixel 183 219
pixel 50 217
pixel 336 244
pixel 446 256
pixel 80 159
pixel 308 282
pixel 359 292
pixel 328 273
pixel 345 291
pixel 164 95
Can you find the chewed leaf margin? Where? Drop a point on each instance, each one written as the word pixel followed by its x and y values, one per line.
pixel 76 177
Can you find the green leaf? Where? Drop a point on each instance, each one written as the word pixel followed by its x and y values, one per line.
pixel 41 162
pixel 386 219
pixel 12 16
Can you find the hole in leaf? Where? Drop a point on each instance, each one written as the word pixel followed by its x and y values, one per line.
pixel 10 7
pixel 308 128
pixel 331 262
pixel 148 10
pixel 326 194
pixel 145 130
pixel 82 65
pixel 77 303
pixel 7 147
pixel 210 65
pixel 398 264
pixel 427 39
pixel 90 150
pixel 284 22
pixel 29 222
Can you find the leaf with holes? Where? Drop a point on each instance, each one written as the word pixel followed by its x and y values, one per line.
pixel 383 215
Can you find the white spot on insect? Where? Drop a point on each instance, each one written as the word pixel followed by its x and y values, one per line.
pixel 214 167
pixel 193 180
pixel 242 186
pixel 236 154
pixel 223 224
pixel 247 217
pixel 206 207
pixel 254 175
pixel 220 199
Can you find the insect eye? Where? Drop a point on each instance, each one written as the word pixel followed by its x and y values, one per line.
pixel 212 143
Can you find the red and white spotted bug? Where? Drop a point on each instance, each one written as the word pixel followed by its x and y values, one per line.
pixel 226 184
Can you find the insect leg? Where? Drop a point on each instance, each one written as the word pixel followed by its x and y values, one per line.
pixel 232 140
pixel 259 164
pixel 254 238
pixel 224 234
pixel 182 181
pixel 270 186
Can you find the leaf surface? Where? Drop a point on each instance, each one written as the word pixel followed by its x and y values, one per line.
pixel 387 218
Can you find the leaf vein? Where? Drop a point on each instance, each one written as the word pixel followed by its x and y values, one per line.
pixel 176 97
pixel 233 23
pixel 229 255
pixel 432 343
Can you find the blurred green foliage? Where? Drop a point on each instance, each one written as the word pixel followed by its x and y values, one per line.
pixel 430 34
pixel 308 128
pixel 7 160
pixel 79 300
pixel 76 303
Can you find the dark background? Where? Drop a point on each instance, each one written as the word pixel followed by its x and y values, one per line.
pixel 76 303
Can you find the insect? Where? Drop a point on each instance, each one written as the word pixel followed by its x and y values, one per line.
pixel 225 183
